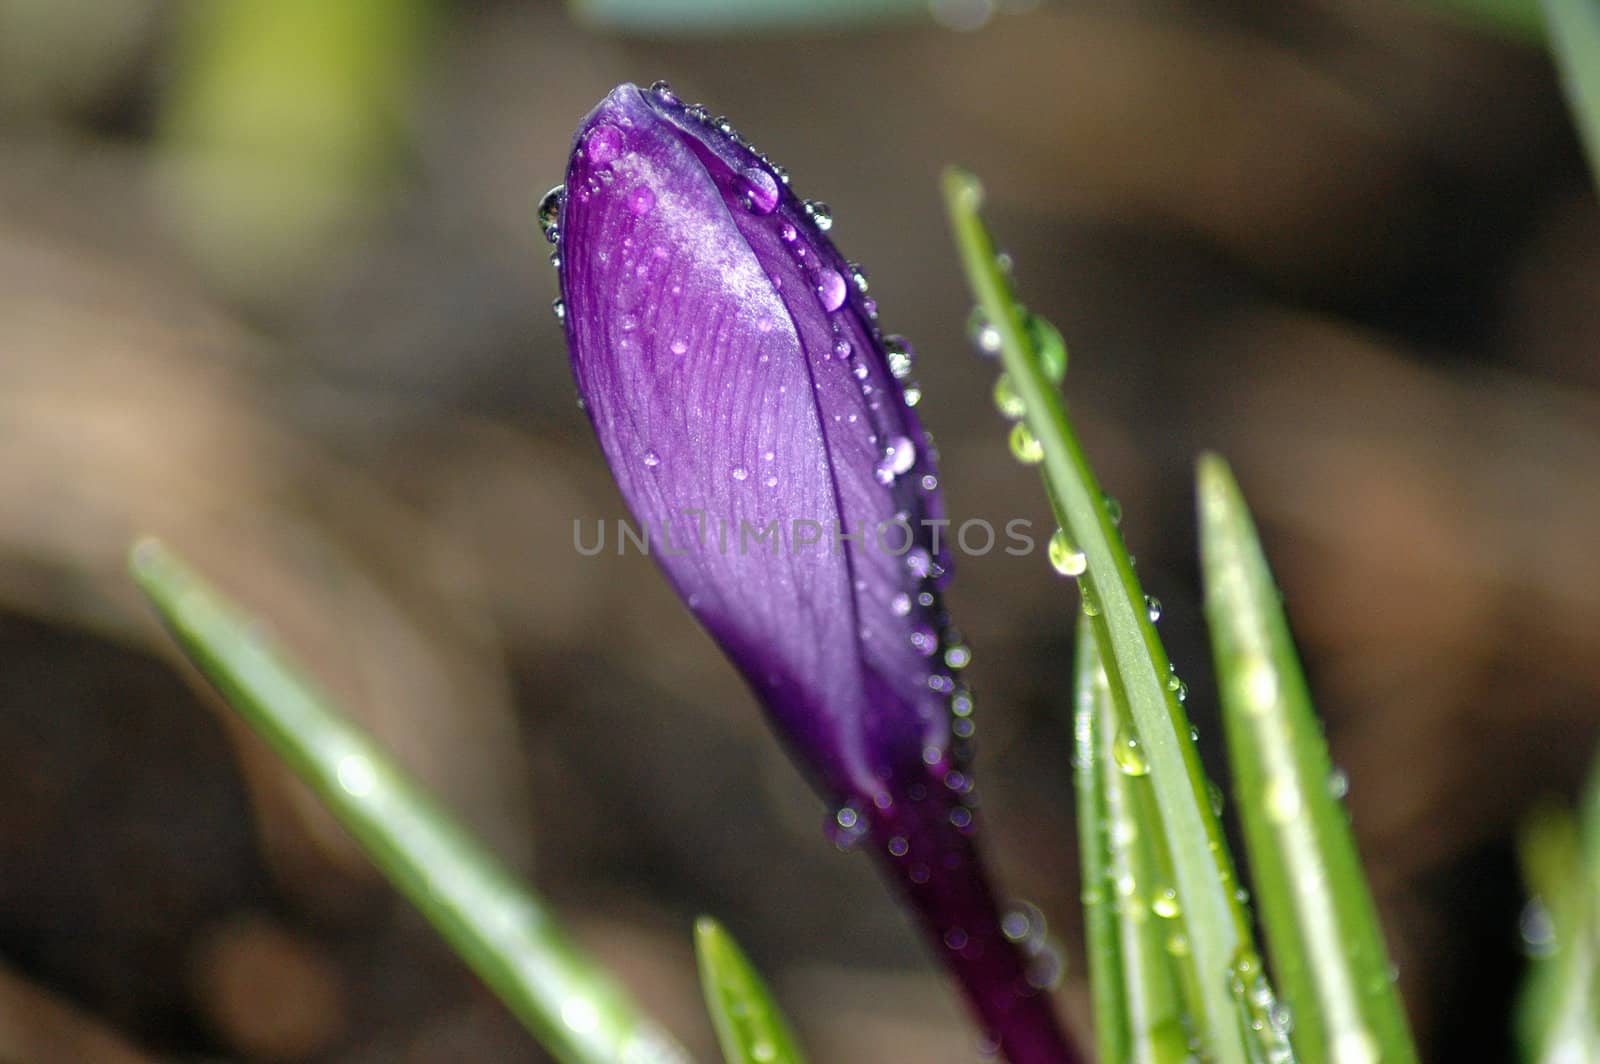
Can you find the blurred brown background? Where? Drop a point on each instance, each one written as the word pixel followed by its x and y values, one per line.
pixel 270 287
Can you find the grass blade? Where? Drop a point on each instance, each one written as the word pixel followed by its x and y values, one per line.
pixel 1557 1018
pixel 1218 931
pixel 505 934
pixel 1133 936
pixel 750 1027
pixel 722 17
pixel 1574 30
pixel 1327 948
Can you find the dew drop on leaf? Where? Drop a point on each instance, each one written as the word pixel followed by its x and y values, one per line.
pixel 1064 557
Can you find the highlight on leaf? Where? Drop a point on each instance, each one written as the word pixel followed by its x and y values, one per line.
pixel 750 1027
pixel 1220 964
pixel 504 932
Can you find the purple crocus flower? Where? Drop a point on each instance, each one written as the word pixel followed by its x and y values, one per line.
pixel 761 429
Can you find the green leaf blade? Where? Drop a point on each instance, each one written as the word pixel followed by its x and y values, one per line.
pixel 1574 30
pixel 505 934
pixel 1134 935
pixel 1218 931
pixel 750 1027
pixel 1320 922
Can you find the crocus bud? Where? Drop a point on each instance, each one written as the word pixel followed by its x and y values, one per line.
pixel 761 430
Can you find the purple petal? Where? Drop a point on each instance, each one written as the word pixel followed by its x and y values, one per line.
pixel 736 378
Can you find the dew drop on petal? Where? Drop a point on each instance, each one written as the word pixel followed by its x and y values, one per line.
pixel 739 473
pixel 550 213
pixel 831 289
pixel 651 459
pixel 643 200
pixel 759 190
pixel 603 144
pixel 1152 608
pixel 899 457
pixel 842 348
pixel 820 213
pixel 788 233
pixel 679 347
pixel 559 309
pixel 901 356
pixel 663 92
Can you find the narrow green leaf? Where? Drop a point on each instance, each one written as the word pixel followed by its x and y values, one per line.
pixel 505 934
pixel 722 17
pixel 1516 19
pixel 1218 931
pixel 750 1027
pixel 1558 1014
pixel 1130 911
pixel 1327 948
pixel 1574 30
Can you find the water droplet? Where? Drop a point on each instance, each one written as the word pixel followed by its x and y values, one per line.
pixel 1338 784
pixel 858 277
pixel 1051 348
pixel 771 482
pixel 961 704
pixel 820 214
pixel 842 348
pixel 1006 399
pixel 763 1052
pixel 862 372
pixel 920 562
pixel 1165 904
pixel 912 395
pixel 788 233
pixel 679 347
pixel 900 605
pixel 1129 754
pixel 759 190
pixel 1064 557
pixel 643 200
pixel 831 289
pixel 961 818
pixel 924 640
pixel 603 144
pixel 1538 929
pixel 898 846
pixel 1113 509
pixel 559 309
pixel 899 456
pixel 958 657
pixel 847 827
pixel 900 355
pixel 739 473
pixel 1152 608
pixel 1090 607
pixel 1178 944
pixel 651 459
pixel 984 334
pixel 663 92
pixel 1181 692
pixel 1025 446
pixel 550 213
